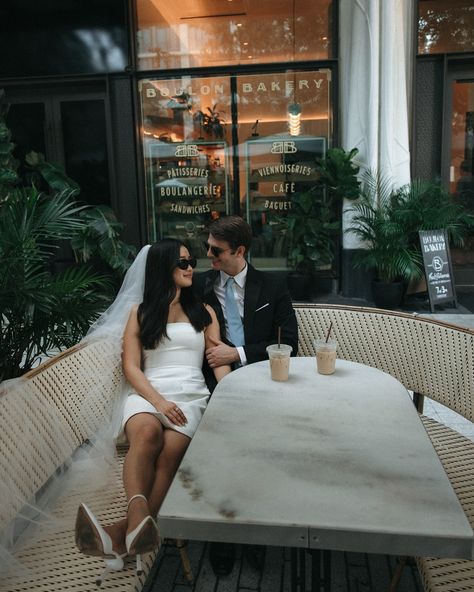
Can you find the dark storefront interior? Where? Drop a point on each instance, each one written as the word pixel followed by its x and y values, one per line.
pixel 225 92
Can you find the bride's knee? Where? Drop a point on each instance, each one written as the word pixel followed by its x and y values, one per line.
pixel 148 436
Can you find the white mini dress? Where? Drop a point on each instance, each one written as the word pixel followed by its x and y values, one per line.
pixel 174 368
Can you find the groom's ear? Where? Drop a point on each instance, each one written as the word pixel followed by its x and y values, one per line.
pixel 240 251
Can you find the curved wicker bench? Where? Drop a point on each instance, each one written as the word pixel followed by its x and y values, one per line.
pixel 431 358
pixel 42 423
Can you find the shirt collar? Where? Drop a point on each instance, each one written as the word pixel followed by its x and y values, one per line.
pixel 239 278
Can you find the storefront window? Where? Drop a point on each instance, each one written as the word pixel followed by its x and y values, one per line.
pixel 445 26
pixel 462 143
pixel 245 144
pixel 187 34
pixel 185 146
pixel 284 125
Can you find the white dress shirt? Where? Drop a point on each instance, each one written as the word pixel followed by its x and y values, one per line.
pixel 239 293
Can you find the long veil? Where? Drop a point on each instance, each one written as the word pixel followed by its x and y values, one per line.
pixel 90 467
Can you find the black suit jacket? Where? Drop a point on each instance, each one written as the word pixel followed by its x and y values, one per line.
pixel 267 306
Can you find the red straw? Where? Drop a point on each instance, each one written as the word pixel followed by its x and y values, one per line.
pixel 329 332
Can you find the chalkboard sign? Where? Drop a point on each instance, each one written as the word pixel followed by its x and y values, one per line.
pixel 438 270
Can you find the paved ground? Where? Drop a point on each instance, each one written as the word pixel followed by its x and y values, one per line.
pixel 351 572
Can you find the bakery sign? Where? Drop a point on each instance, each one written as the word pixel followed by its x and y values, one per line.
pixel 278 169
pixel 437 265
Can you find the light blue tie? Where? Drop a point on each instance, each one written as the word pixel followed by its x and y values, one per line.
pixel 234 322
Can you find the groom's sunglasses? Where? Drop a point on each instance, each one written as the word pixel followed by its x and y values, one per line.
pixel 216 251
pixel 185 263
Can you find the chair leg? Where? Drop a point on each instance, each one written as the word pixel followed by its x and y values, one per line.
pixel 397 574
pixel 181 546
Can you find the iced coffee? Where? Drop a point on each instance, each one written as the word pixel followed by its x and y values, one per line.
pixel 279 356
pixel 325 355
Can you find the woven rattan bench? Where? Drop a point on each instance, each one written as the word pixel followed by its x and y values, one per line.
pixel 49 405
pixel 432 359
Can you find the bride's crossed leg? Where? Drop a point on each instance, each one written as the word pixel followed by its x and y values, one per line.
pixel 149 468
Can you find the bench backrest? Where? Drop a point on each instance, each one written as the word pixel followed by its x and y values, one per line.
pixel 46 416
pixel 429 357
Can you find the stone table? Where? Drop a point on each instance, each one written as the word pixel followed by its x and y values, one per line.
pixel 321 462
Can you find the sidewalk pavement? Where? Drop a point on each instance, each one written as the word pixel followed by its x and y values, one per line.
pixel 350 572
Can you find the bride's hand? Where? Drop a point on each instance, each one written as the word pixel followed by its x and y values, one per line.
pixel 172 412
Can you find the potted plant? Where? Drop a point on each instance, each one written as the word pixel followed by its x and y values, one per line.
pixel 388 221
pixel 210 121
pixel 338 173
pixel 42 309
pixel 313 225
pixel 310 231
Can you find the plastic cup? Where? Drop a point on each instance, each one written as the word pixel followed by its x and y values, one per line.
pixel 279 361
pixel 326 355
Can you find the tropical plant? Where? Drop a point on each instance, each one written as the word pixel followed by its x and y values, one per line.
pixel 211 121
pixel 338 173
pixel 374 222
pixel 8 164
pixel 423 205
pixel 313 224
pixel 41 310
pixel 388 221
pixel 310 231
pixel 99 237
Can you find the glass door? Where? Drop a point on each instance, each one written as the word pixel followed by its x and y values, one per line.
pixel 459 170
pixel 461 165
pixel 70 129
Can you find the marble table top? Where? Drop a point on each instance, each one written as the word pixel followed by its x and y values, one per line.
pixel 331 462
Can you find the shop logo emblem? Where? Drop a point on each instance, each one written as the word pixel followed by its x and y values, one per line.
pixel 187 150
pixel 437 263
pixel 283 148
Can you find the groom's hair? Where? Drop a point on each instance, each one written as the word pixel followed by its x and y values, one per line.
pixel 160 290
pixel 233 229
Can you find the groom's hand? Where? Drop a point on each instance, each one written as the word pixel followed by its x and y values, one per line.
pixel 221 354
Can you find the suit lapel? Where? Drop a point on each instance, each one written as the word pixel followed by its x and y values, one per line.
pixel 253 286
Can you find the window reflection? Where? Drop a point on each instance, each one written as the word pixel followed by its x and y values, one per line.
pixel 445 26
pixel 209 151
pixel 222 32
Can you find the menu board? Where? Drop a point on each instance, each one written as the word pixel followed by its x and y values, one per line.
pixel 278 168
pixel 438 269
pixel 188 183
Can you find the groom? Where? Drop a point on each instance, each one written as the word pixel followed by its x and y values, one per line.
pixel 251 307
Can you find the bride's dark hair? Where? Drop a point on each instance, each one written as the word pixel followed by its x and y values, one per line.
pixel 159 292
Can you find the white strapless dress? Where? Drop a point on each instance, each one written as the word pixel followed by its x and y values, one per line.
pixel 174 368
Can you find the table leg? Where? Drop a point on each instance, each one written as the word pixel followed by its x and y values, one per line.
pixel 327 570
pixel 320 570
pixel 294 569
pixel 302 570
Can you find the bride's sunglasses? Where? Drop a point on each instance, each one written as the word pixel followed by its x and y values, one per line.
pixel 185 263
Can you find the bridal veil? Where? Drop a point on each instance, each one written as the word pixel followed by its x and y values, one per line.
pixel 90 467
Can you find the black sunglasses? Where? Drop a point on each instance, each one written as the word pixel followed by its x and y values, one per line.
pixel 185 263
pixel 216 251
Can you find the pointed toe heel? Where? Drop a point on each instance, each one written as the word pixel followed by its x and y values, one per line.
pixel 92 539
pixel 144 538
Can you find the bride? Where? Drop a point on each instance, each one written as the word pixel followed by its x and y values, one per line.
pixel 164 340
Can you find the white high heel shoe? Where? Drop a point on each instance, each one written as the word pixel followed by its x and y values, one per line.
pixel 142 539
pixel 89 529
